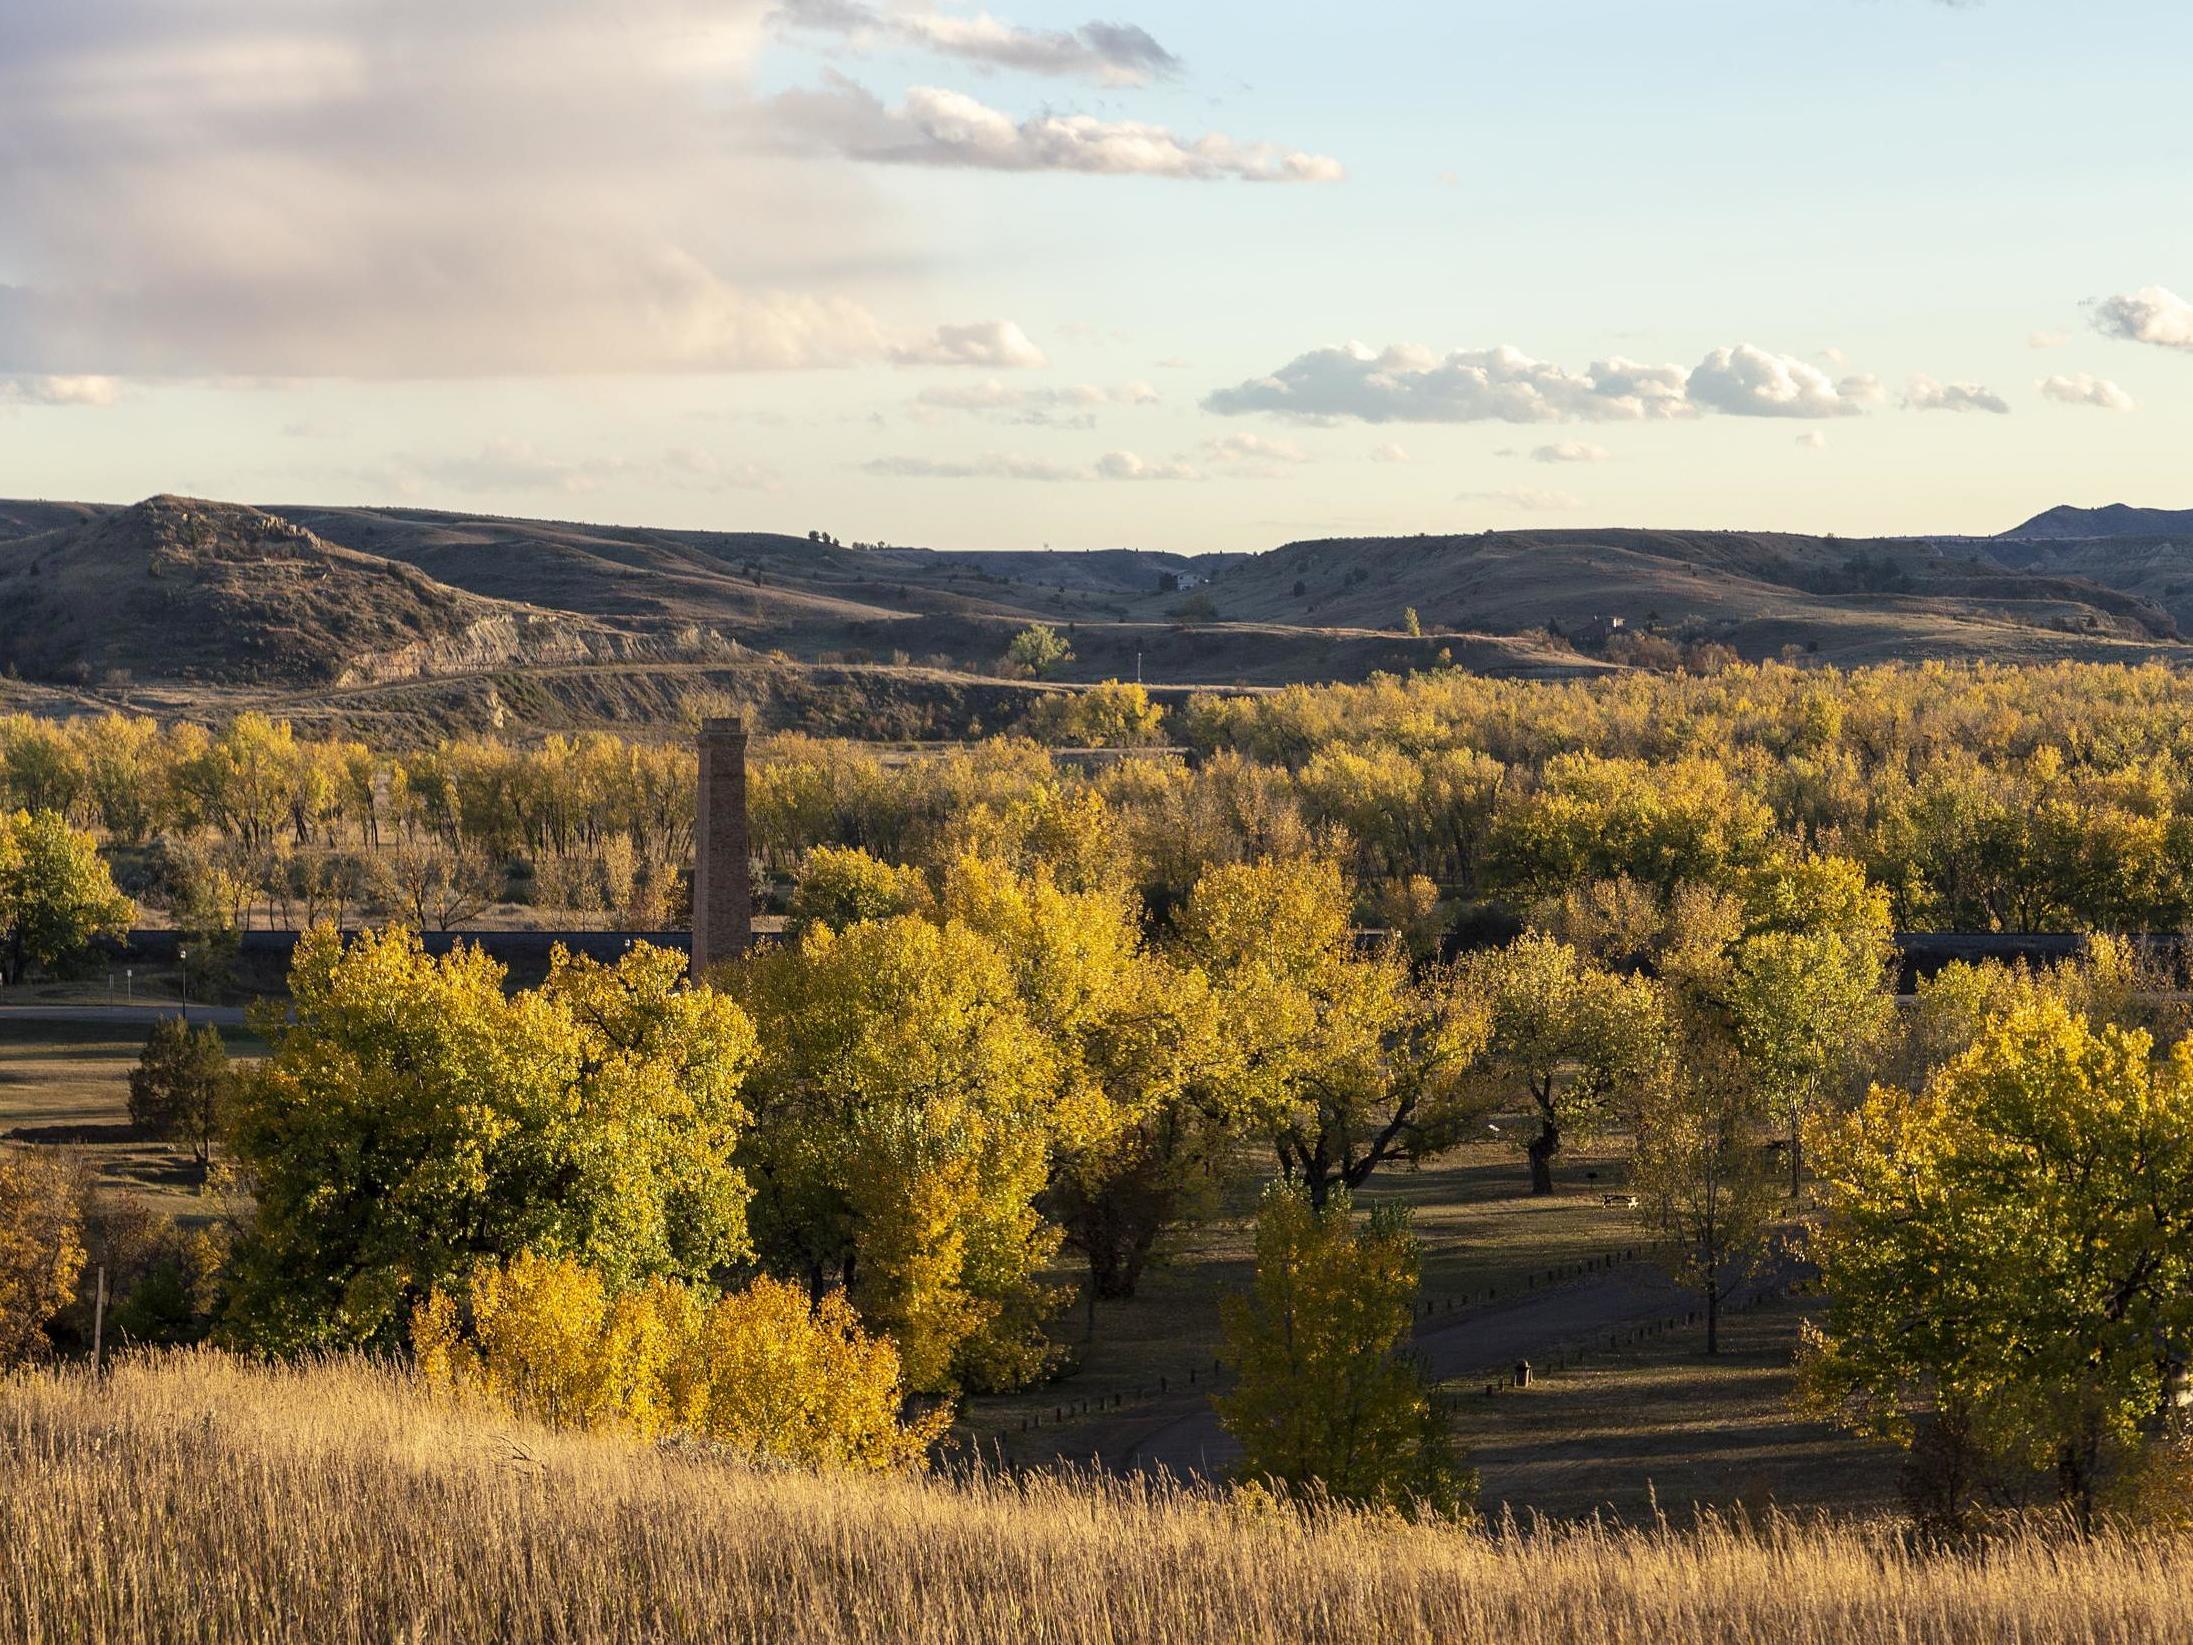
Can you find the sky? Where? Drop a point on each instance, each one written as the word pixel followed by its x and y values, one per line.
pixel 1206 275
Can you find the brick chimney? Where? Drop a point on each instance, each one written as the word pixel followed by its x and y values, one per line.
pixel 723 884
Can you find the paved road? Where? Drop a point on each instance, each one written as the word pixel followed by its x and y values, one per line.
pixel 1188 1439
pixel 142 1016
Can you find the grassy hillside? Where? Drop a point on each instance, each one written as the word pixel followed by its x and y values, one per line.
pixel 200 1497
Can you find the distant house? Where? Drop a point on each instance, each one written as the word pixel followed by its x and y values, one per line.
pixel 1597 630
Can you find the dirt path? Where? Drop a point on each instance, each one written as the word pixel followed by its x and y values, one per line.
pixel 1188 1440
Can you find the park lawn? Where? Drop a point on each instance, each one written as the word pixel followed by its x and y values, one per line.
pixel 66 1085
pixel 1658 1427
pixel 1480 1229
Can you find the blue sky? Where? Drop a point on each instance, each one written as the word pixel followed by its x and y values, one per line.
pixel 929 273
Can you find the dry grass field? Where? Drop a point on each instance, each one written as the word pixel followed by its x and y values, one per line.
pixel 196 1497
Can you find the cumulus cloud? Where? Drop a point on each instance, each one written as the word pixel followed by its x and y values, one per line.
pixel 59 391
pixel 2153 314
pixel 1813 439
pixel 935 127
pixel 1410 384
pixel 1924 393
pixel 1004 465
pixel 996 345
pixel 1390 453
pixel 1752 382
pixel 2081 388
pixel 1075 405
pixel 1113 54
pixel 1527 498
pixel 1571 451
pixel 351 188
pixel 1253 448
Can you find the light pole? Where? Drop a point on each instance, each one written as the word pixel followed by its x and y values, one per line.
pixel 182 959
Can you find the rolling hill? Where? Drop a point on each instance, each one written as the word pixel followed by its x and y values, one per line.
pixel 430 618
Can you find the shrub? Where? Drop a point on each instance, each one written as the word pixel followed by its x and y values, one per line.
pixel 761 1371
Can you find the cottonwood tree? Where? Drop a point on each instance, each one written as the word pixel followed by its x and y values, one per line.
pixel 1327 1393
pixel 1571 1037
pixel 55 893
pixel 1703 1178
pixel 2008 1253
pixel 1349 1062
pixel 41 1248
pixel 905 1111
pixel 414 1118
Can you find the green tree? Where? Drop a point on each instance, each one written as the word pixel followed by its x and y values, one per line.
pixel 1328 1394
pixel 414 1118
pixel 1572 1035
pixel 1810 1011
pixel 1703 1177
pixel 1039 648
pixel 843 885
pixel 2008 1252
pixel 55 893
pixel 180 1086
pixel 1348 1061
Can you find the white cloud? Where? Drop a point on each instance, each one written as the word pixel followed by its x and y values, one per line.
pixel 1390 453
pixel 354 188
pixel 997 345
pixel 2047 339
pixel 1813 439
pixel 503 464
pixel 1924 393
pixel 1074 405
pixel 935 127
pixel 1752 382
pixel 1125 465
pixel 1409 383
pixel 2153 314
pixel 1527 498
pixel 1173 362
pixel 1114 54
pixel 1571 451
pixel 59 391
pixel 1002 465
pixel 2080 388
pixel 1251 448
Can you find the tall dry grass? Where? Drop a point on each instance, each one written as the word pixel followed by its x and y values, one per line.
pixel 193 1497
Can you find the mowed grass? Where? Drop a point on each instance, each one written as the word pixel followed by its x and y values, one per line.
pixel 66 1085
pixel 1480 1228
pixel 198 1497
pixel 1659 1427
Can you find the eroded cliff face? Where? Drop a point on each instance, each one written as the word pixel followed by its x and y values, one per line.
pixel 515 637
pixel 179 589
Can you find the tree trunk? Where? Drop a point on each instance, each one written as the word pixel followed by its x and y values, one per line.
pixel 1713 1319
pixel 1542 1149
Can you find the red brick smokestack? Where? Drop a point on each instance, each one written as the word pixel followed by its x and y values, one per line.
pixel 723 883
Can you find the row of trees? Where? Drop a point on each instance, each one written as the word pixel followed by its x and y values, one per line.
pixel 2057 798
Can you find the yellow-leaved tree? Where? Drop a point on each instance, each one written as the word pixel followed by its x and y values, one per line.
pixel 904 1109
pixel 763 1371
pixel 41 1248
pixel 2009 1258
pixel 1327 1394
